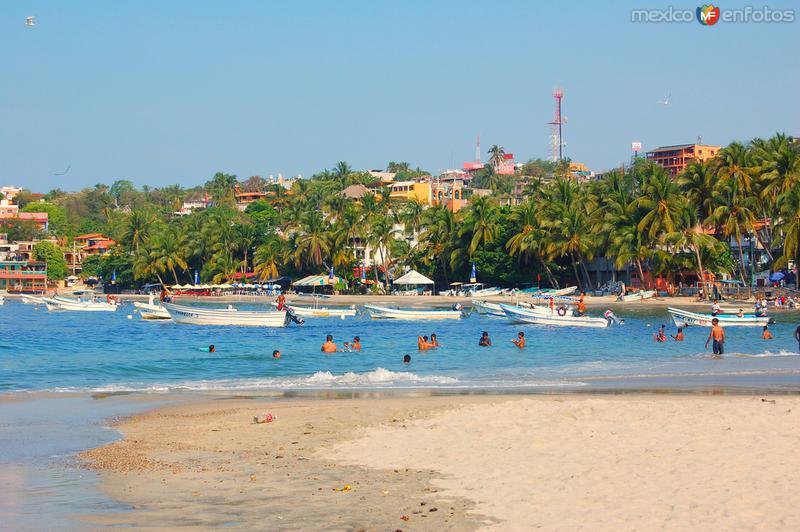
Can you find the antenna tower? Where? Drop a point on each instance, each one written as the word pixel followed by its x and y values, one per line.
pixel 556 138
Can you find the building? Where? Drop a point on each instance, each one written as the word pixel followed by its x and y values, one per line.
pixel 10 214
pixel 93 244
pixel 10 193
pixel 195 202
pixel 17 273
pixel 419 189
pixel 675 158
pixel 243 199
pixel 453 194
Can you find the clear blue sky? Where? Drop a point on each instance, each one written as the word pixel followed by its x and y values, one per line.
pixel 163 92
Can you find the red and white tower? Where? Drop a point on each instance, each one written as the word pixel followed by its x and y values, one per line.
pixel 478 149
pixel 556 139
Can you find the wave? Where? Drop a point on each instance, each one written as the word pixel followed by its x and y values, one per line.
pixel 377 378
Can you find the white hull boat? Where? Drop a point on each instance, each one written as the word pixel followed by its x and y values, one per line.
pixel 216 316
pixel 682 318
pixel 397 314
pixel 641 294
pixel 31 300
pixel 65 303
pixel 488 309
pixel 2 300
pixel 488 292
pixel 310 312
pixel 151 311
pixel 537 317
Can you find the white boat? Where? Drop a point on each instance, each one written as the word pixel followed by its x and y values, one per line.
pixel 682 318
pixel 310 312
pixel 487 308
pixel 537 317
pixel 2 300
pixel 488 292
pixel 151 311
pixel 31 300
pixel 392 313
pixel 641 294
pixel 217 316
pixel 66 303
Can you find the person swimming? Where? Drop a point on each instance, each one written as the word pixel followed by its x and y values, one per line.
pixel 329 346
pixel 407 359
pixel 422 343
pixel 661 336
pixel 356 344
pixel 209 349
pixel 434 340
pixel 765 334
pixel 519 341
pixel 276 354
pixel 678 337
pixel 485 341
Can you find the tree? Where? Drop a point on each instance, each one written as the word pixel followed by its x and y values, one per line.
pixel 54 257
pixel 221 187
pixel 496 154
pixel 790 224
pixel 254 183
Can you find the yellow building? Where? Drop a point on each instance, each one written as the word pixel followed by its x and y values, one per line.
pixel 408 190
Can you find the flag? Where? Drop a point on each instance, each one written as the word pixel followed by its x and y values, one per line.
pixel 114 276
pixel 474 275
pixel 196 277
pixel 330 274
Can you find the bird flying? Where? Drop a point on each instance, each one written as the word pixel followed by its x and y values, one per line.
pixel 665 101
pixel 30 21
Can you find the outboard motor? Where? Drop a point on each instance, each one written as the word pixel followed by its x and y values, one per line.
pixel 612 318
pixel 457 306
pixel 294 317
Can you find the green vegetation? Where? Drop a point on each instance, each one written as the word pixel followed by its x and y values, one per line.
pixel 638 216
pixel 54 257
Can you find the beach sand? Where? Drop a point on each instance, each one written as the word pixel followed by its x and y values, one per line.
pixel 567 462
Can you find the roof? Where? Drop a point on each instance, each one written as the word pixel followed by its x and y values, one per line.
pixel 318 280
pixel 90 236
pixel 356 191
pixel 413 277
pixel 681 147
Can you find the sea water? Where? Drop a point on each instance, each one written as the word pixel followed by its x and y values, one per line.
pixel 118 351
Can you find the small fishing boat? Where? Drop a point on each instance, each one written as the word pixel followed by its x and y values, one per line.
pixel 538 317
pixel 487 308
pixel 217 316
pixel 31 300
pixel 151 311
pixel 683 318
pixel 66 303
pixel 552 292
pixel 392 313
pixel 314 312
pixel 641 294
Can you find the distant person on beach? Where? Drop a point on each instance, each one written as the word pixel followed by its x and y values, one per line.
pixel 519 341
pixel 715 308
pixel 276 354
pixel 765 334
pixel 717 334
pixel 329 346
pixel 485 341
pixel 434 340
pixel 406 359
pixel 678 337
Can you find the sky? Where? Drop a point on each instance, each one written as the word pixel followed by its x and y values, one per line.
pixel 171 92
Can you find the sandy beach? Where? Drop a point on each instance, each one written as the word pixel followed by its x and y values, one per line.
pixel 565 462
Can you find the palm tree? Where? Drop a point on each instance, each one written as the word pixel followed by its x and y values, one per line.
pixel 690 235
pixel 166 253
pixel 734 216
pixel 790 224
pixel 137 229
pixel 480 223
pixel 496 154
pixel 698 181
pixel 312 244
pixel 245 238
pixel 381 236
pixel 529 240
pixel 732 166
pixel 268 257
pixel 661 201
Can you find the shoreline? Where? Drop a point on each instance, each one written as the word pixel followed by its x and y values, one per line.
pixel 181 463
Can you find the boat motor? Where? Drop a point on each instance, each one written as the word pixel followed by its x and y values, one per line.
pixel 612 318
pixel 294 317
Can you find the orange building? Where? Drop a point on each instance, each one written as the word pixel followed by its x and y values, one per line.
pixel 675 158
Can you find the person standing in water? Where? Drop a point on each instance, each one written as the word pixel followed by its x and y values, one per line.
pixel 678 337
pixel 717 334
pixel 797 337
pixel 434 340
pixel 485 341
pixel 519 341
pixel 329 346
pixel 765 334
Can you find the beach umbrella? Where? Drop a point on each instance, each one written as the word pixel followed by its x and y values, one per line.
pixel 363 272
pixel 474 275
pixel 777 276
pixel 196 277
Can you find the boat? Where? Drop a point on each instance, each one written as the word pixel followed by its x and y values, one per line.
pixel 537 317
pixel 488 309
pixel 2 300
pixel 217 316
pixel 315 312
pixel 31 300
pixel 683 318
pixel 641 294
pixel 66 303
pixel 488 292
pixel 398 314
pixel 151 311
pixel 551 292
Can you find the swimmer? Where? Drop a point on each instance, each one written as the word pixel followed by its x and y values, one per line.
pixel 276 354
pixel 520 340
pixel 210 349
pixel 434 340
pixel 485 341
pixel 329 346
pixel 422 343
pixel 718 335
pixel 407 359
pixel 661 336
pixel 356 345
pixel 765 334
pixel 678 337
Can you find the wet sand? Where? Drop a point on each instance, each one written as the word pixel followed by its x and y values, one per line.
pixel 566 462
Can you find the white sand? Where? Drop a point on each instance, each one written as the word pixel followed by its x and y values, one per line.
pixel 606 463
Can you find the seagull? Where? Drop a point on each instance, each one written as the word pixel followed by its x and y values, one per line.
pixel 65 171
pixel 665 101
pixel 30 21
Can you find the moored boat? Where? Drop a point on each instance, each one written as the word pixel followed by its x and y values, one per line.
pixel 641 294
pixel 487 308
pixel 412 314
pixel 31 300
pixel 69 304
pixel 310 312
pixel 683 318
pixel 538 317
pixel 217 316
pixel 151 311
